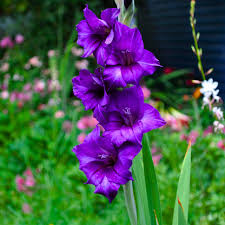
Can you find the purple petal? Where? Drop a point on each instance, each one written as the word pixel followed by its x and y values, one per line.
pixel 102 53
pixel 86 38
pixel 151 119
pixel 148 62
pixel 132 74
pixel 113 77
pixel 110 15
pixel 130 98
pixel 107 189
pixel 110 37
pixel 94 22
pixel 128 39
pixel 90 89
pixel 133 134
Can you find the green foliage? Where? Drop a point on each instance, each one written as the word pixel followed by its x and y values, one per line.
pixel 183 189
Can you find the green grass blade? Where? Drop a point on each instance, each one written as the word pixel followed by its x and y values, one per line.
pixel 183 188
pixel 151 184
pixel 140 194
pixel 175 74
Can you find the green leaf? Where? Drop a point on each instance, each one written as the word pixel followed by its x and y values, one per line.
pixel 175 74
pixel 181 218
pixel 151 184
pixel 183 188
pixel 140 194
pixel 129 14
pixel 130 202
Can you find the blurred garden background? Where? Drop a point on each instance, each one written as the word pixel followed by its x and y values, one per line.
pixel 41 120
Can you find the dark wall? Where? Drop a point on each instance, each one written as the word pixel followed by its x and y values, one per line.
pixel 166 31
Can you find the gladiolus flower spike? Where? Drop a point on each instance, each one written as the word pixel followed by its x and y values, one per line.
pixel 106 158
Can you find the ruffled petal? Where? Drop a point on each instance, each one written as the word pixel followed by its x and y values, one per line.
pixel 102 53
pixel 97 25
pixel 90 89
pixel 107 189
pixel 110 15
pixel 151 119
pixel 128 39
pixel 86 38
pixel 148 62
pixel 113 77
pixel 132 74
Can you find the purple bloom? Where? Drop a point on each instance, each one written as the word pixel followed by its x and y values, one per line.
pixel 95 34
pixel 128 61
pixel 90 89
pixel 105 166
pixel 127 117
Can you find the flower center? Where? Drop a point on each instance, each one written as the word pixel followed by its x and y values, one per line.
pixel 108 160
pixel 128 119
pixel 127 58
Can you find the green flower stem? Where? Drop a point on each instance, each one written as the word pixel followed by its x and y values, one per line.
pixel 130 202
pixel 196 50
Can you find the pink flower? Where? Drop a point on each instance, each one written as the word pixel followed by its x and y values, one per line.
pixel 87 122
pixel 77 51
pixel 156 159
pixel 19 38
pixel 67 126
pixel 59 114
pixel 155 156
pixel 6 42
pixel 221 144
pixel 191 137
pixel 4 67
pixel 24 184
pixel 146 92
pixel 27 87
pixel 51 53
pixel 34 61
pixel 39 86
pixel 82 64
pixel 5 94
pixel 41 107
pixel 20 183
pixel 81 138
pixel 54 85
pixel 207 131
pixel 26 208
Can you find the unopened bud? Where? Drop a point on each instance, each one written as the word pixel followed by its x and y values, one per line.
pixel 196 82
pixel 193 49
pixel 209 71
pixel 198 36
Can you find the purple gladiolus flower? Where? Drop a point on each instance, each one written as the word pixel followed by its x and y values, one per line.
pixel 95 34
pixel 105 165
pixel 128 61
pixel 90 88
pixel 127 117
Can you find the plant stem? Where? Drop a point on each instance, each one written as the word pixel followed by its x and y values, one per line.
pixel 196 50
pixel 130 202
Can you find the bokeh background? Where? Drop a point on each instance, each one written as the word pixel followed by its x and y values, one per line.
pixel 41 120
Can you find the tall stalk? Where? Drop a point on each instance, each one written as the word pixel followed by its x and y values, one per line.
pixel 197 51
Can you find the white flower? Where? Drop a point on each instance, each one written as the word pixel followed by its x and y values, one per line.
pixel 218 112
pixel 218 126
pixel 209 92
pixel 208 87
